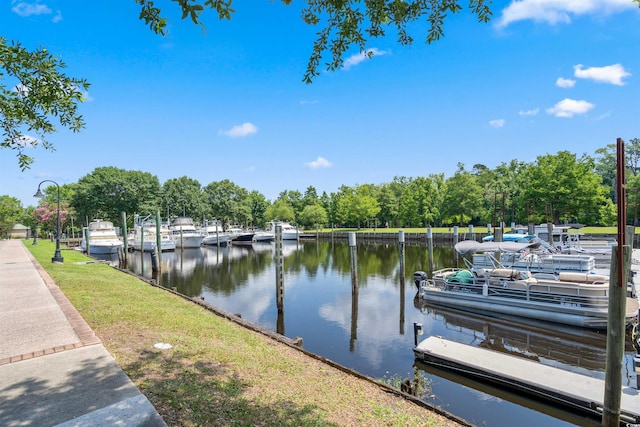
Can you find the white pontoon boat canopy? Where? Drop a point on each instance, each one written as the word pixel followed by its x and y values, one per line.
pixel 467 246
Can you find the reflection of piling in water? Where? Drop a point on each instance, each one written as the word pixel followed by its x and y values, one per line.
pixel 401 245
pixel 279 262
pixel 354 291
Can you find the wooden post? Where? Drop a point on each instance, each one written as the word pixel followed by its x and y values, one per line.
pixel 154 260
pixel 158 240
pixel 142 248
pixel 620 261
pixel 87 234
pixel 123 222
pixel 430 248
pixel 615 337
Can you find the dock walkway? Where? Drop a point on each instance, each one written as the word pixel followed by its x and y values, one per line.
pixel 578 391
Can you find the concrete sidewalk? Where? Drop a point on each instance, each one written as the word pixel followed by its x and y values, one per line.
pixel 53 369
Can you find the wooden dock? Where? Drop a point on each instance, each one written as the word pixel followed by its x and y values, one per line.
pixel 565 388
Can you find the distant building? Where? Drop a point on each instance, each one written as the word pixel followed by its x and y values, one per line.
pixel 19 231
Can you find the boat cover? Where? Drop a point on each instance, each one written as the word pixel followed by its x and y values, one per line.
pixel 467 246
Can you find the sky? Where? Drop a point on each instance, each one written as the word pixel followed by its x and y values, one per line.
pixel 228 101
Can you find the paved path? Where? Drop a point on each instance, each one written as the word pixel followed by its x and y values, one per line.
pixel 54 371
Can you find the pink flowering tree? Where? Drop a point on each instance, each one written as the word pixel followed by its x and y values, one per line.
pixel 47 213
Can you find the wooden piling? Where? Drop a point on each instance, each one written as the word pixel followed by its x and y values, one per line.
pixel 123 223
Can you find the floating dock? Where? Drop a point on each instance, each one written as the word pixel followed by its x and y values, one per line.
pixel 566 388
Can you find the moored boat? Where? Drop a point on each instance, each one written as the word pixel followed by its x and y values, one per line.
pixel 238 236
pixel 289 232
pixel 103 238
pixel 143 237
pixel 577 298
pixel 185 233
pixel 214 235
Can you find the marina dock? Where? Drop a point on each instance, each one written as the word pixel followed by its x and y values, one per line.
pixel 580 392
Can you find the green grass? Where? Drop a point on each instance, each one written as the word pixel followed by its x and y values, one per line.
pixel 216 373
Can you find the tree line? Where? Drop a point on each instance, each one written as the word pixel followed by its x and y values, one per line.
pixel 559 187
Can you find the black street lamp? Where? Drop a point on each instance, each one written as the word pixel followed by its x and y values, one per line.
pixel 57 257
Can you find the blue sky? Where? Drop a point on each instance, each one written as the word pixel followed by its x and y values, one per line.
pixel 228 102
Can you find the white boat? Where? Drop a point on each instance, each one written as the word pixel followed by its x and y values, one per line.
pixel 560 239
pixel 185 233
pixel 143 237
pixel 262 236
pixel 103 238
pixel 568 297
pixel 526 257
pixel 289 232
pixel 214 235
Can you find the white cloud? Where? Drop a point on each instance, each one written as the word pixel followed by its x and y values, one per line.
pixel 27 9
pixel 318 163
pixel 356 59
pixel 305 102
pixel 242 130
pixel 533 112
pixel 57 18
pixel 609 74
pixel 562 82
pixel 26 141
pixel 570 107
pixel 497 123
pixel 559 11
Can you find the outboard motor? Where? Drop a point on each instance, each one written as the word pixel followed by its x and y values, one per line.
pixel 419 277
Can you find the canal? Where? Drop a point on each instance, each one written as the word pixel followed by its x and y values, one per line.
pixel 368 325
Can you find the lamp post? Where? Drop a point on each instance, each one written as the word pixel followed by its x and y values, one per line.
pixel 57 257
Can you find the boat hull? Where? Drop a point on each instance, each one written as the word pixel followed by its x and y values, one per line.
pixel 104 249
pixel 491 305
pixel 188 241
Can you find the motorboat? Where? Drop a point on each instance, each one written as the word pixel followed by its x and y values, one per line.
pixel 262 236
pixel 526 257
pixel 289 232
pixel 103 238
pixel 559 238
pixel 214 235
pixel 143 237
pixel 185 233
pixel 238 236
pixel 576 298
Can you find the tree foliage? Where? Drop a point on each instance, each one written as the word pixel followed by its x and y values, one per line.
pixel 11 212
pixel 37 93
pixel 564 186
pixel 231 203
pixel 108 191
pixel 342 24
pixel 462 200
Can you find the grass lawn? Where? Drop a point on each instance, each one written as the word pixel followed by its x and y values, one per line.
pixel 217 372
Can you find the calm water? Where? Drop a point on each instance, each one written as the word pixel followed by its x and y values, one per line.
pixel 369 327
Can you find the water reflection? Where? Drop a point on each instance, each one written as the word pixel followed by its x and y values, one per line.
pixel 362 323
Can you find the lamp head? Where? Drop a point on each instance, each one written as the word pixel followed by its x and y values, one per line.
pixel 38 194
